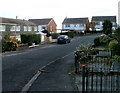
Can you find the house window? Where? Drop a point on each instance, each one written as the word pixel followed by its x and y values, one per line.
pixel 29 28
pixel 75 25
pixel 81 25
pixel 17 28
pixel 97 23
pixel 43 27
pixel 67 25
pixel 25 28
pixel 2 28
pixel 13 28
pixel 50 28
pixel 35 28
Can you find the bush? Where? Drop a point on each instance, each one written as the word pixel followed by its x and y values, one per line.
pixel 30 38
pixel 117 52
pixel 113 45
pixel 71 34
pixel 117 34
pixel 37 38
pixel 55 35
pixel 107 27
pixel 97 41
pixel 9 44
pixel 105 39
pixel 83 52
pixel 24 39
pixel 115 58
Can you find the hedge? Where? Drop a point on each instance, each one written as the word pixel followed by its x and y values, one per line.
pixel 113 45
pixel 55 35
pixel 71 34
pixel 30 38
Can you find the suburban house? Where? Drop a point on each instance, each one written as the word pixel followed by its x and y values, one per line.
pixel 45 24
pixel 75 24
pixel 15 27
pixel 99 20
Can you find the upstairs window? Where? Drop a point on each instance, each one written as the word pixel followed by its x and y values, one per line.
pixel 67 25
pixel 12 28
pixel 97 23
pixel 29 28
pixel 43 28
pixel 2 28
pixel 25 28
pixel 75 25
pixel 17 28
pixel 81 25
pixel 35 28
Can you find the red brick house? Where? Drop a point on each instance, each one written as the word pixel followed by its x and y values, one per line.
pixel 45 24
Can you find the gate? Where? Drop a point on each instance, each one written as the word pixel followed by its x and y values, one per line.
pixel 100 75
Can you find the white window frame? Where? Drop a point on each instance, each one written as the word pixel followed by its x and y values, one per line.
pixel 13 28
pixel 97 23
pixel 17 28
pixel 81 25
pixel 35 28
pixel 25 28
pixel 2 28
pixel 29 28
pixel 67 25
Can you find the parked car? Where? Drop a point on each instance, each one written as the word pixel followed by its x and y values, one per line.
pixel 63 39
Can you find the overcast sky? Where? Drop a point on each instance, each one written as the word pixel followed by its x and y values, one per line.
pixel 57 9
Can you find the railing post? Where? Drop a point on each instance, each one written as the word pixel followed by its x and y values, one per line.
pixel 83 79
pixel 76 62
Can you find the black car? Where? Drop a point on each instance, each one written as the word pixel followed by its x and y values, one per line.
pixel 63 39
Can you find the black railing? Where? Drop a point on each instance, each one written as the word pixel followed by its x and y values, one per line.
pixel 99 75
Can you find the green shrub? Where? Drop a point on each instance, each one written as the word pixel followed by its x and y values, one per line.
pixel 112 46
pixel 84 52
pixel 117 34
pixel 30 38
pixel 71 34
pixel 37 38
pixel 115 58
pixel 105 39
pixel 24 39
pixel 9 44
pixel 55 35
pixel 117 52
pixel 97 41
pixel 107 27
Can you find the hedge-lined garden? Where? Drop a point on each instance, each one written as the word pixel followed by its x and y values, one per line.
pixel 112 41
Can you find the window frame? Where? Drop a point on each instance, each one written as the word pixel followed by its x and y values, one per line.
pixel 29 28
pixel 2 28
pixel 25 28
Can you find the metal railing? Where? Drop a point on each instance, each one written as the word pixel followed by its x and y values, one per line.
pixel 99 75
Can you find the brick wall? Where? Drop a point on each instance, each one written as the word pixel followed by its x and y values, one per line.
pixel 51 26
